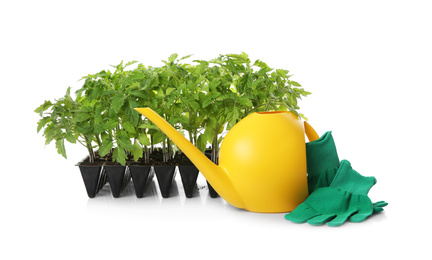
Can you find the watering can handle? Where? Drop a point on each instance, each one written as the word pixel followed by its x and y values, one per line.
pixel 310 132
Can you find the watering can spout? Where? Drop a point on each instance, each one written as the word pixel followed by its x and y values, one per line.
pixel 215 175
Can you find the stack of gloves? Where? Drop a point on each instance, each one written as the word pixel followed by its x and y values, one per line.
pixel 337 192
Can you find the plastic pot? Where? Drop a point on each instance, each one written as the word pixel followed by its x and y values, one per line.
pixel 165 177
pixel 142 176
pixel 93 175
pixel 189 175
pixel 118 177
pixel 212 192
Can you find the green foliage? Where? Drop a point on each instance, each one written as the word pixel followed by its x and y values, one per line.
pixel 205 98
pixel 58 121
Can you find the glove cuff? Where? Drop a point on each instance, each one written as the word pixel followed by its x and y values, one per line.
pixel 349 180
pixel 321 155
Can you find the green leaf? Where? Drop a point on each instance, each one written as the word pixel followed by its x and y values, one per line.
pixel 148 126
pixel 118 67
pixel 105 137
pixel 143 139
pixel 50 133
pixel 117 102
pixel 185 57
pixel 124 142
pixel 103 74
pixel 209 135
pixel 195 106
pixel 106 147
pixel 214 84
pixel 232 117
pixel 160 93
pixel 217 61
pixel 207 102
pixel 282 73
pixel 158 137
pixel 130 63
pixel 61 147
pixel 133 80
pixel 139 93
pixel 201 143
pixel 173 57
pixel 94 93
pixel 42 123
pixel 169 90
pixel 84 128
pixel 215 94
pixel 137 152
pixel 70 137
pixel 261 64
pixel 111 124
pixel 107 93
pixel 245 102
pixel 294 83
pixel 239 58
pixel 132 114
pixel 236 114
pixel 99 122
pixel 129 127
pixel 211 123
pixel 119 155
pixel 80 117
pixel 282 108
pixel 43 107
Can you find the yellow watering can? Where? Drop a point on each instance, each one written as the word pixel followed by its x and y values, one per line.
pixel 262 160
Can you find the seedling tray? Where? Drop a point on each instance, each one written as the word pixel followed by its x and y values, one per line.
pixel 96 176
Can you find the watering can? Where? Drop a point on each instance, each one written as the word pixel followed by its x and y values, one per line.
pixel 262 160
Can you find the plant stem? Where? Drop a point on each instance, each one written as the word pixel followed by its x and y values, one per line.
pixel 246 112
pixel 146 155
pixel 151 144
pixel 267 105
pixel 169 149
pixel 191 137
pixel 215 146
pixel 164 153
pixel 98 140
pixel 90 150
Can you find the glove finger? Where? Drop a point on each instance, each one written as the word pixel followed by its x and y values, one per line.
pixel 377 210
pixel 301 214
pixel 361 207
pixel 321 219
pixel 339 220
pixel 380 204
pixel 360 216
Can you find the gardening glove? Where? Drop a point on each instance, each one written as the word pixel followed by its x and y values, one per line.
pixel 345 198
pixel 322 162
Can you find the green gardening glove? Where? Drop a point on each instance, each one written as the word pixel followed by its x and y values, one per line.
pixel 346 198
pixel 322 162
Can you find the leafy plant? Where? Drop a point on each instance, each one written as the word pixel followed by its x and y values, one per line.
pixel 235 89
pixel 205 98
pixel 117 125
pixel 66 119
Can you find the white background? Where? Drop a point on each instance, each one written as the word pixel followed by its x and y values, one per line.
pixel 367 63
